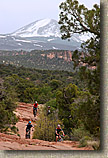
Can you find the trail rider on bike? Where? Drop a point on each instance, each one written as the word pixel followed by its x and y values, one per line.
pixel 58 130
pixel 35 105
pixel 29 126
pixel 48 110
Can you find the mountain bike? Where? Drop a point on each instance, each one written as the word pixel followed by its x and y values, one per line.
pixel 48 112
pixel 34 112
pixel 27 134
pixel 60 138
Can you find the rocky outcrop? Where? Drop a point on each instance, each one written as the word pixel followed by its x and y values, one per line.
pixel 65 55
pixel 11 142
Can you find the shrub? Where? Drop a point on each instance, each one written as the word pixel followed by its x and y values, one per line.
pixel 66 137
pixel 7 106
pixel 94 144
pixel 45 128
pixel 14 129
pixel 55 84
pixel 43 98
pixel 52 104
pixel 80 132
pixel 84 141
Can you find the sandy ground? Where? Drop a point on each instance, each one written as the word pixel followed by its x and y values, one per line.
pixel 13 142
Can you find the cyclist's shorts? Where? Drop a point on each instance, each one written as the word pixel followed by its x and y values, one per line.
pixel 56 135
pixel 27 129
pixel 34 108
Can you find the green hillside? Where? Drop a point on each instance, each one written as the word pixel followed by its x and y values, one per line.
pixel 70 100
pixel 46 59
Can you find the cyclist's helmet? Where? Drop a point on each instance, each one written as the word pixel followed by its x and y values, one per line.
pixel 48 106
pixel 36 102
pixel 29 121
pixel 58 126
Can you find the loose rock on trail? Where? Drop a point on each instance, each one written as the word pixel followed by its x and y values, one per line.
pixel 13 142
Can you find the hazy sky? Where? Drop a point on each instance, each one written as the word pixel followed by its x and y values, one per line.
pixel 15 14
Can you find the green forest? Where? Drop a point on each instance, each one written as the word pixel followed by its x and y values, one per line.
pixel 74 97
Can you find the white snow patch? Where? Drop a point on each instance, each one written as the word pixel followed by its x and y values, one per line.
pixel 23 41
pixel 50 39
pixel 13 38
pixel 19 44
pixel 38 45
pixel 39 24
pixel 2 36
pixel 33 29
pixel 37 29
pixel 75 38
pixel 55 48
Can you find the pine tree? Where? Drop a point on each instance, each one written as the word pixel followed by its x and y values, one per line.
pixel 76 18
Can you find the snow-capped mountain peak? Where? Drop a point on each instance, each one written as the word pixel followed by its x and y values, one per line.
pixel 41 35
pixel 43 28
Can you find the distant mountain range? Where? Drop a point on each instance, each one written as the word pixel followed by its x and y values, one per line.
pixel 40 35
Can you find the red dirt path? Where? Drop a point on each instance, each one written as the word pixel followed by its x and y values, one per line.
pixel 13 142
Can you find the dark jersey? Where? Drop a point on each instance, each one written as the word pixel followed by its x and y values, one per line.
pixel 29 126
pixel 58 130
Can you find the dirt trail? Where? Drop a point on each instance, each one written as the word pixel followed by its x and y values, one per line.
pixel 24 113
pixel 13 142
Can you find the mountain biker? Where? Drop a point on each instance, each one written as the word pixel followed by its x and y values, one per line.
pixel 29 126
pixel 35 105
pixel 58 130
pixel 48 110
